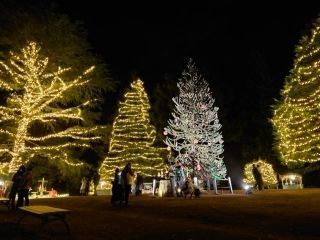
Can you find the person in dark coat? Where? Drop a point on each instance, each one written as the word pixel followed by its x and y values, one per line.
pixel 116 188
pixel 17 182
pixel 257 176
pixel 139 184
pixel 126 181
pixel 24 188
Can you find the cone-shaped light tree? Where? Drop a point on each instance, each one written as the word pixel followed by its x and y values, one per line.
pixel 269 176
pixel 35 120
pixel 133 136
pixel 194 132
pixel 296 119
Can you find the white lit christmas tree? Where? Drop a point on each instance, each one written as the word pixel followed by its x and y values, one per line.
pixel 193 133
pixel 132 137
pixel 296 119
pixel 33 118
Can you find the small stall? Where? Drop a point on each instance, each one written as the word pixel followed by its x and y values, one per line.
pixel 147 188
pixel 165 188
pixel 291 181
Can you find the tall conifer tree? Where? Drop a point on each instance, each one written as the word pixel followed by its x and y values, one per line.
pixel 133 136
pixel 194 132
pixel 296 119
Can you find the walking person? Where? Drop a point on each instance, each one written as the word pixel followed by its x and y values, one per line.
pixel 16 179
pixel 257 176
pixel 24 188
pixel 87 188
pixel 127 177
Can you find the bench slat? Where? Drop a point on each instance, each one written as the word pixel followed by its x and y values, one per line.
pixel 43 210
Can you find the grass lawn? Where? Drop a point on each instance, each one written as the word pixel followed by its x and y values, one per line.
pixel 271 214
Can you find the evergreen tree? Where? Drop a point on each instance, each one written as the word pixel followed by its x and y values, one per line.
pixel 132 137
pixel 296 119
pixel 193 133
pixel 35 121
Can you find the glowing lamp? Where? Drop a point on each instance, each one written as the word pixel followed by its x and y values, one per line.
pixel 248 188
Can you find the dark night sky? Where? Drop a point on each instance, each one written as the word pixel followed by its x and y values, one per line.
pixel 157 37
pixel 234 44
pixel 238 47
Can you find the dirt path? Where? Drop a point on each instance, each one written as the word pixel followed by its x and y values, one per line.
pixel 277 214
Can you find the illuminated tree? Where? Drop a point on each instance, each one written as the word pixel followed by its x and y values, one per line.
pixel 36 120
pixel 296 119
pixel 193 133
pixel 269 176
pixel 64 41
pixel 132 137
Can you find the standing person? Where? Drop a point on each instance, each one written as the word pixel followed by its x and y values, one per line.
pixel 116 188
pixel 127 177
pixel 180 177
pixel 139 184
pixel 16 179
pixel 83 186
pixel 257 176
pixel 87 188
pixel 24 188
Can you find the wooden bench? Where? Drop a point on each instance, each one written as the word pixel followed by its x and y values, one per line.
pixel 46 214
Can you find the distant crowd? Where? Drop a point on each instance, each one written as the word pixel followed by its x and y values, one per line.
pixel 122 184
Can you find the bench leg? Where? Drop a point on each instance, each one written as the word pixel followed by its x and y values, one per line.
pixel 20 219
pixel 62 218
pixel 67 226
pixel 45 220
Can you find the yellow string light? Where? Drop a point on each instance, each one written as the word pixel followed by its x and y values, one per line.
pixel 34 93
pixel 296 117
pixel 269 176
pixel 132 137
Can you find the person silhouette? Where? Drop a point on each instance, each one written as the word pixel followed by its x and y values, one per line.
pixel 16 179
pixel 24 188
pixel 127 177
pixel 257 176
pixel 116 188
pixel 83 186
pixel 139 184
